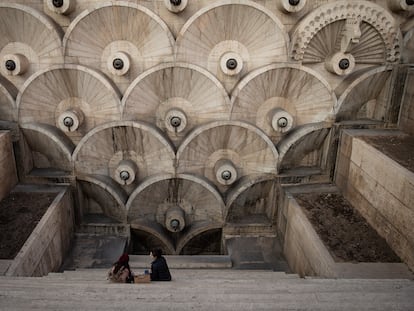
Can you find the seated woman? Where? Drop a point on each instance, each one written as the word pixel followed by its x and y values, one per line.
pixel 120 271
pixel 159 267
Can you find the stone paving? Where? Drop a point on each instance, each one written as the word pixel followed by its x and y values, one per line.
pixel 204 289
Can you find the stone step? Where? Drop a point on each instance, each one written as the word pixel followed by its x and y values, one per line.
pixel 100 274
pixel 94 251
pixel 205 289
pixel 184 261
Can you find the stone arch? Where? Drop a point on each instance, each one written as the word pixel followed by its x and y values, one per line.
pixel 196 196
pixel 299 92
pixel 201 204
pixel 176 90
pixel 119 30
pixel 54 148
pixel 370 89
pixel 156 232
pixel 106 193
pixel 72 91
pixel 243 146
pixel 196 232
pixel 379 37
pixel 257 198
pixel 240 30
pixel 300 143
pixel 138 148
pixel 27 51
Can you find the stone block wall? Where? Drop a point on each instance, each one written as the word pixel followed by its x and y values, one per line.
pixel 381 189
pixel 49 242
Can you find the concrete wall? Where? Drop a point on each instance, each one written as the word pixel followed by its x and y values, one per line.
pixel 381 189
pixel 8 174
pixel 307 255
pixel 304 251
pixel 49 242
pixel 406 122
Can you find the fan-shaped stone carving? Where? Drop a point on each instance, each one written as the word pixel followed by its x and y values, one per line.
pixel 102 196
pixel 231 38
pixel 220 149
pixel 408 52
pixel 119 38
pixel 29 41
pixel 364 96
pixel 49 147
pixel 125 151
pixel 176 97
pixel 296 149
pixel 8 92
pixel 253 201
pixel 345 33
pixel 182 205
pixel 277 98
pixel 194 198
pixel 71 97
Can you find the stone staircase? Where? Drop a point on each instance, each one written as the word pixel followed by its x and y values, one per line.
pixel 204 289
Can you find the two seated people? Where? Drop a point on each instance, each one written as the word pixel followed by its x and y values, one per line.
pixel 120 271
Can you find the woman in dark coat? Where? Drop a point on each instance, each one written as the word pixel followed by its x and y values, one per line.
pixel 159 267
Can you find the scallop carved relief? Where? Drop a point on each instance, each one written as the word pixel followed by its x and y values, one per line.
pixel 278 98
pixel 364 96
pixel 225 151
pixel 125 151
pixel 49 148
pixel 185 141
pixel 303 147
pixel 176 97
pixel 73 98
pixel 231 38
pixel 119 38
pixel 253 201
pixel 29 41
pixel 103 197
pixel 344 34
pixel 185 205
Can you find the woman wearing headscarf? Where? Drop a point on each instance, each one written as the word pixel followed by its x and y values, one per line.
pixel 120 271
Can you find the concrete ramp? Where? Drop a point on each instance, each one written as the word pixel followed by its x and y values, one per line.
pixel 94 251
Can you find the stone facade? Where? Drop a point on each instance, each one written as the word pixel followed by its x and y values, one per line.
pixel 184 119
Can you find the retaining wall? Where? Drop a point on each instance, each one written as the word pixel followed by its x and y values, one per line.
pixel 49 243
pixel 380 188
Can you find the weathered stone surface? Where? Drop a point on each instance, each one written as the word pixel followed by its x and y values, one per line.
pixel 383 196
pixel 8 174
pixel 48 244
pixel 119 98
